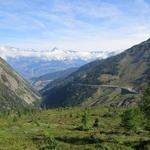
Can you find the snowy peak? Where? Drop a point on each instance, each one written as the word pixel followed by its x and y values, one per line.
pixel 34 63
pixel 53 54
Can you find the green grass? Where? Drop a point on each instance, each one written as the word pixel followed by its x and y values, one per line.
pixel 60 129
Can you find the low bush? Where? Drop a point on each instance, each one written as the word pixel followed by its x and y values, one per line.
pixel 132 119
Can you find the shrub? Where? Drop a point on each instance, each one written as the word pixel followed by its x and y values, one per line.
pixel 45 141
pixel 96 122
pixel 14 118
pixel 85 120
pixel 132 119
pixel 52 143
pixel 145 104
pixel 71 115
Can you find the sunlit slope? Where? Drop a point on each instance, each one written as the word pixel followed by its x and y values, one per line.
pixel 124 74
pixel 14 90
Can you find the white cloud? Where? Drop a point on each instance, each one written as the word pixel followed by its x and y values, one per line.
pixel 54 54
pixel 80 25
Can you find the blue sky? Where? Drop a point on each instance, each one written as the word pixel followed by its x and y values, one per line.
pixel 74 24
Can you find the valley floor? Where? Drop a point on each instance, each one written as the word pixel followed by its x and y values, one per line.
pixel 60 129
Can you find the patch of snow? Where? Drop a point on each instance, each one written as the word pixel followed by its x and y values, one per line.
pixel 54 54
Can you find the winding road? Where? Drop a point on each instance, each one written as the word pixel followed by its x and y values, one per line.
pixel 129 89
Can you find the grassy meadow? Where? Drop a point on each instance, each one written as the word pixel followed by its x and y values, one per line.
pixel 62 129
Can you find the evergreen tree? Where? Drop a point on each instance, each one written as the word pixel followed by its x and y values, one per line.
pixel 132 119
pixel 85 120
pixel 145 105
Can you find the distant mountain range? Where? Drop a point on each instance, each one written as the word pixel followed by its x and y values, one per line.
pixel 116 81
pixel 35 63
pixel 15 92
pixel 53 54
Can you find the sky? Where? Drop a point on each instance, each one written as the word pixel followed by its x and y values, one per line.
pixel 83 25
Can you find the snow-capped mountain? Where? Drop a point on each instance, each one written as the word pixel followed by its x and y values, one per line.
pixel 34 63
pixel 54 54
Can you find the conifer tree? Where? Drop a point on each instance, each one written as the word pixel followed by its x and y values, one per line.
pixel 145 104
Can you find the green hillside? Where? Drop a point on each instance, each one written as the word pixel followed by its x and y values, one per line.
pixel 14 90
pixel 123 75
pixel 61 129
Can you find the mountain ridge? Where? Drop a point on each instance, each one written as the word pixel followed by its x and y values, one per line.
pixel 34 63
pixel 129 68
pixel 15 91
pixel 53 54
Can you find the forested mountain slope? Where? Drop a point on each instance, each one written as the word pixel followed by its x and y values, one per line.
pixel 125 73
